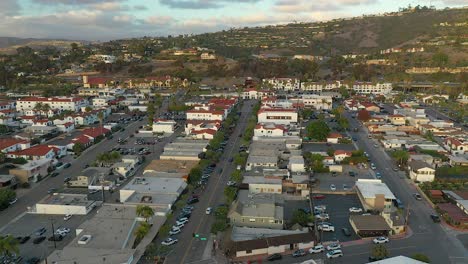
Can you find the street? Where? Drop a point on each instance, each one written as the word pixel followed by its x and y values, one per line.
pixel 190 249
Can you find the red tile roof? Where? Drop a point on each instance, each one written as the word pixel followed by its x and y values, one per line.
pixel 98 80
pixel 343 152
pixel 8 142
pixel 204 131
pixel 38 150
pixel 95 132
pixel 335 135
pixel 81 139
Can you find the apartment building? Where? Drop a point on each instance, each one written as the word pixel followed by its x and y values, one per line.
pixel 62 103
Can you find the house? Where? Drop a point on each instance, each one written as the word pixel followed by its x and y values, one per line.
pixel 279 116
pixel 95 132
pixel 37 152
pixel 296 164
pixel 397 120
pixel 420 171
pixel 456 146
pixel 80 181
pixel 458 160
pixel 267 184
pixel 334 138
pixel 269 130
pixel 207 56
pixel 203 134
pixel 32 171
pixel 194 125
pixel 86 141
pixel 13 144
pixel 371 107
pixel 62 103
pixel 340 155
pixel 375 195
pixel 66 127
pixel 164 126
pixel 261 161
pixel 123 169
pixel 256 214
pixel 267 246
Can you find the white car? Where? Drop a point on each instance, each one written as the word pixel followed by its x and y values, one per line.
pixel 334 246
pixel 13 201
pixel 169 241
pixel 62 231
pixel 208 210
pixel 317 249
pixel 333 187
pixel 322 217
pixel 175 231
pixel 355 210
pixel 326 228
pixel 320 207
pixel 179 226
pixel 231 183
pixel 334 254
pixel 182 221
pixel 380 240
pixel 376 146
pixel 372 166
pixel 67 217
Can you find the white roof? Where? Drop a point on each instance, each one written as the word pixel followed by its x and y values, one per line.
pixel 398 260
pixel 370 188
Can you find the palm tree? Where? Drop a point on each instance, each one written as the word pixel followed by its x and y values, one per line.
pixel 142 230
pixel 45 108
pixel 144 211
pixel 38 108
pixel 8 246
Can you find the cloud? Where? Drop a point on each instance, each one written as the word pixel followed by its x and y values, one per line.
pixel 455 2
pixel 140 7
pixel 9 7
pixel 74 2
pixel 299 6
pixel 201 4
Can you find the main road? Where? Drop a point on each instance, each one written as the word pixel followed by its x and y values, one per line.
pixel 193 250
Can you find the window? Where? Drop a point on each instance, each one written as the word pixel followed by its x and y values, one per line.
pixel 252 220
pixel 248 251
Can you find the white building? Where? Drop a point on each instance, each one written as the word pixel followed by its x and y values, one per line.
pixel 62 103
pixel 296 164
pixel 278 116
pixel 268 130
pixel 284 84
pixel 318 87
pixel 318 102
pixel 164 126
pixel 370 88
pixel 63 204
pixel 210 115
pixel 421 171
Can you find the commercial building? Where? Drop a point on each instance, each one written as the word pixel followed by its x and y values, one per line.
pixel 32 171
pixel 369 225
pixel 283 84
pixel 375 195
pixel 169 168
pixel 279 116
pixel 164 126
pixel 371 88
pixel 319 102
pixel 184 149
pixel 63 204
pixel 260 184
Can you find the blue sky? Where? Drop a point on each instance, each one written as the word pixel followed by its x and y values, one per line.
pixel 112 19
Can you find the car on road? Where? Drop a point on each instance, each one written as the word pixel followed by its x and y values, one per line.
pixel 33 260
pixel 175 231
pixel 333 187
pixel 334 246
pixel 380 240
pixel 352 173
pixel 208 210
pixel 67 165
pixel 55 238
pixel 182 221
pixel 435 218
pixel 67 217
pixel 62 231
pixel 417 196
pixel 355 139
pixel 231 183
pixel 299 253
pixel 373 166
pixel 40 231
pixel 67 179
pixel 274 257
pixel 169 241
pixel 395 169
pixel 376 146
pixel 39 240
pixel 326 228
pixel 54 174
pixel 346 231
pixel 355 210
pixel 51 190
pixel 334 254
pixel 345 187
pixel 322 217
pixel 320 207
pixel 317 249
pixel 378 175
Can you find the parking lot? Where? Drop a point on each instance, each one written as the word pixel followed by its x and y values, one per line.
pixel 326 179
pixel 27 226
pixel 338 210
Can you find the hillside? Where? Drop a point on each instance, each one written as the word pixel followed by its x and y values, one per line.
pixel 8 45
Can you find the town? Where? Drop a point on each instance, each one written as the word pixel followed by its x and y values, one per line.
pixel 141 151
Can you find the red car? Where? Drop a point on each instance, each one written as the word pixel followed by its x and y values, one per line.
pixel 319 196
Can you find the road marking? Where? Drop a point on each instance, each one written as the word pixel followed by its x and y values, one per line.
pixel 211 198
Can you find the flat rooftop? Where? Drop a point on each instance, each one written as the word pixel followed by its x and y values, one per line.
pixel 156 185
pixel 248 233
pixel 151 199
pixel 67 199
pixel 171 166
pixel 261 180
pixel 370 188
pixel 95 171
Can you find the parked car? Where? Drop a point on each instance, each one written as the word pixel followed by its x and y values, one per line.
pixel 352 173
pixel 326 228
pixel 175 231
pixel 333 187
pixel 318 196
pixel 67 165
pixel 55 238
pixel 435 218
pixel 54 174
pixel 23 240
pixel 380 240
pixel 169 241
pixel 40 231
pixel 346 231
pixel 13 201
pixel 378 175
pixel 317 249
pixel 334 246
pixel 39 240
pixel 274 257
pixel 208 210
pixel 67 179
pixel 320 207
pixel 33 260
pixel 345 187
pixel 182 221
pixel 355 210
pixel 231 183
pixel 417 196
pixel 192 201
pixel 67 217
pixel 322 217
pixel 299 253
pixel 334 254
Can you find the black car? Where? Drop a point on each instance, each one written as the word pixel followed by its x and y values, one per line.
pixel 274 257
pixel 55 238
pixel 40 231
pixel 67 165
pixel 32 260
pixel 435 218
pixel 184 214
pixel 54 174
pixel 39 240
pixel 192 200
pixel 346 231
pixel 24 239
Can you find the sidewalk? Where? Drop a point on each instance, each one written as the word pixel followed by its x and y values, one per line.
pixel 366 240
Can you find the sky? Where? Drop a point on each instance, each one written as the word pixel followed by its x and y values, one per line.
pixel 102 20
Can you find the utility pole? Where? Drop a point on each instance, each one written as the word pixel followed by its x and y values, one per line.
pixel 102 189
pixel 53 234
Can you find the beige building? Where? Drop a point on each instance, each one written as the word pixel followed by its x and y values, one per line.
pixel 32 171
pixel 62 204
pixel 80 182
pixel 421 171
pixel 375 195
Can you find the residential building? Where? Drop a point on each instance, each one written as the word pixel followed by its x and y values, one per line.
pixel 284 84
pixel 269 130
pixel 397 120
pixel 210 115
pixel 13 144
pixel 334 138
pixel 37 152
pixel 62 103
pixel 456 146
pixel 375 195
pixel 33 171
pixel 260 184
pixel 261 161
pixel 296 164
pixel 340 155
pixel 319 102
pixel 371 88
pixel 420 171
pixel 264 214
pixel 184 149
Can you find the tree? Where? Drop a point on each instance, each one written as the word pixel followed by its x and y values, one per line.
pixel 379 251
pixel 8 246
pixel 401 156
pixel 145 212
pixel 19 160
pixel 150 111
pixel 6 195
pixel 421 257
pixel 230 193
pixel 78 148
pixel 301 217
pixel 236 176
pixel 440 59
pixel 195 174
pixel 88 109
pixel 142 231
pixel 318 130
